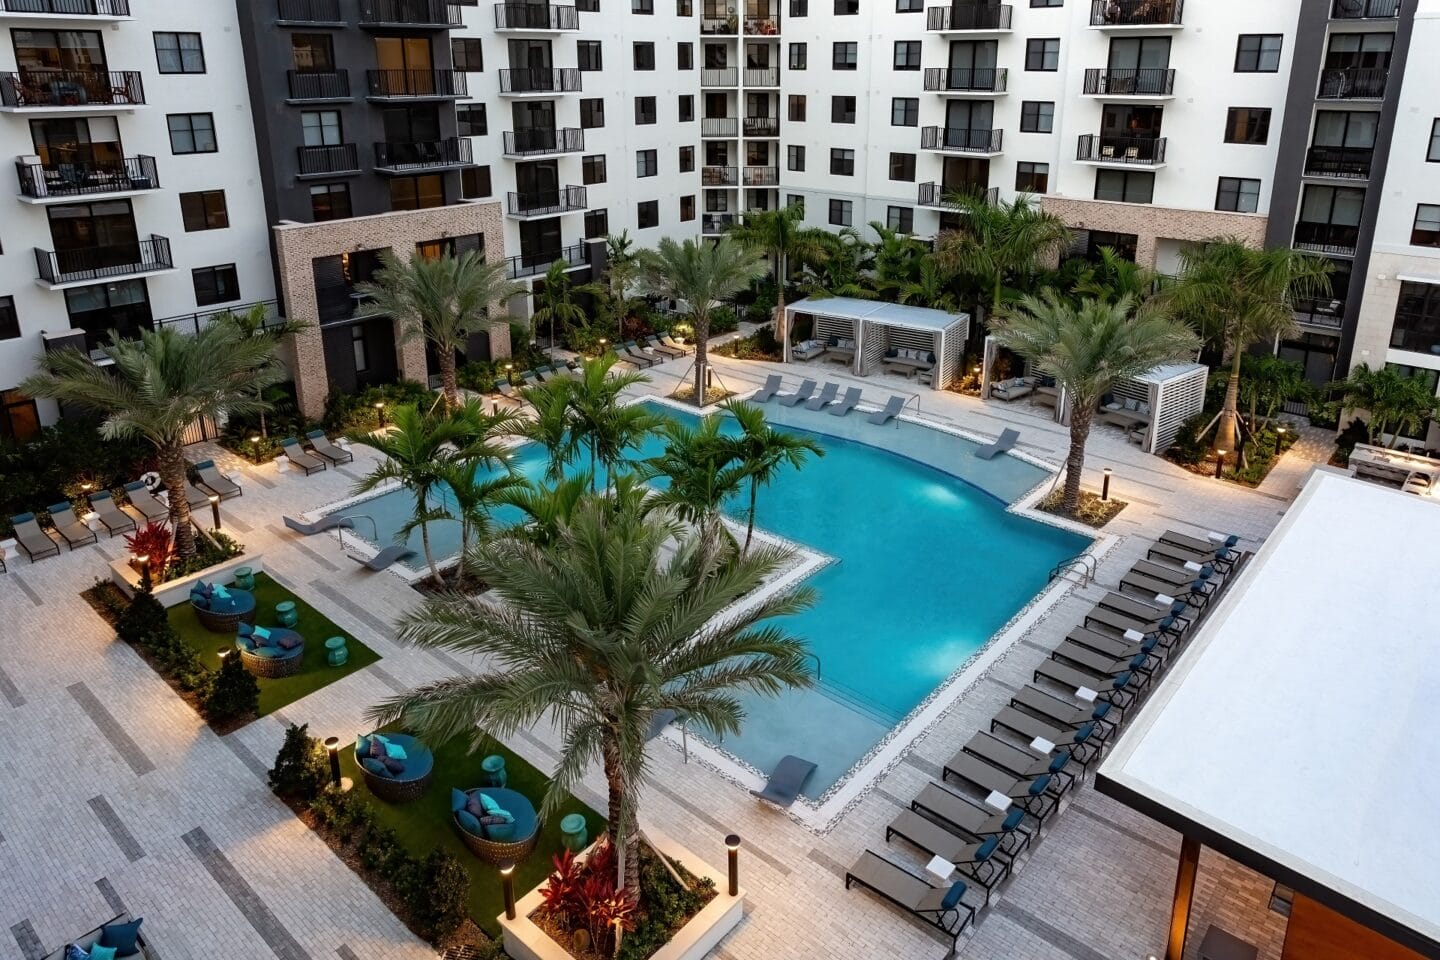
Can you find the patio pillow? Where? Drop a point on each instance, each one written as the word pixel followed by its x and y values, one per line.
pixel 74 952
pixel 393 750
pixel 952 897
pixel 272 653
pixel 1143 408
pixel 833 342
pixel 377 747
pixel 930 357
pixel 362 745
pixel 458 799
pixel 892 353
pixel 122 936
pixel 476 808
pixel 261 634
pixel 489 804
pixel 469 824
pixel 1132 405
pixel 1113 405
pixel 498 816
pixel 200 601
pixel 221 593
pixel 499 831
pixel 98 952
pixel 374 766
pixel 393 767
pixel 289 642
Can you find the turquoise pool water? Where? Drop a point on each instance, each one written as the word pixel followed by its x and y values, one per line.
pixel 928 567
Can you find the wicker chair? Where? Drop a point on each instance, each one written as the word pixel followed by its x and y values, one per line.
pixel 287 664
pixel 527 828
pixel 240 609
pixel 411 782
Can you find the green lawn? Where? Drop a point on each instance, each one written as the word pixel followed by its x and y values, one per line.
pixel 312 625
pixel 425 824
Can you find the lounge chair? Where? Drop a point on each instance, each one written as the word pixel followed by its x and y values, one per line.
pixel 974 858
pixel 1176 576
pixel 1032 793
pixel 213 480
pixel 70 527
pixel 196 497
pixel 384 558
pixel 1223 559
pixel 1146 611
pixel 786 781
pixel 1196 591
pixel 978 820
pixel 322 445
pixel 1026 763
pixel 505 390
pixel 1083 742
pixel 140 497
pixel 1064 713
pixel 891 410
pixel 659 720
pixel 1122 689
pixel 825 396
pixel 1002 443
pixel 670 342
pixel 772 386
pixel 654 343
pixel 319 526
pixel 940 907
pixel 806 391
pixel 631 351
pixel 299 458
pixel 111 516
pixel 1119 648
pixel 36 543
pixel 845 404
pixel 1211 544
pixel 1102 663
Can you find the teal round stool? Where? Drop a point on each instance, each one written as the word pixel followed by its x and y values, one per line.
pixel 285 613
pixel 336 652
pixel 572 833
pixel 493 767
pixel 245 578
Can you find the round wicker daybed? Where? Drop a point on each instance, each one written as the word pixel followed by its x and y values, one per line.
pixel 503 842
pixel 271 659
pixel 406 784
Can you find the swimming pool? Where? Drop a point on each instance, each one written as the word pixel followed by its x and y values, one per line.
pixel 926 569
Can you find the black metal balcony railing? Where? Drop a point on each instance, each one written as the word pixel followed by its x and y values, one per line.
pixel 761 26
pixel 942 195
pixel 533 264
pixel 719 26
pixel 310 11
pixel 961 140
pixel 69 8
pixel 1327 237
pixel 1136 13
pixel 969 16
pixel 423 154
pixel 1353 83
pixel 1320 312
pixel 763 77
pixel 81 179
pixel 762 126
pixel 1349 163
pixel 761 176
pixel 713 223
pixel 319 86
pixel 71 88
pixel 542 203
pixel 719 127
pixel 1144 82
pixel 718 177
pixel 540 80
pixel 720 77
pixel 1364 9
pixel 409 13
pixel 535 16
pixel 966 79
pixel 434 84
pixel 540 141
pixel 338 158
pixel 195 322
pixel 1140 151
pixel 102 263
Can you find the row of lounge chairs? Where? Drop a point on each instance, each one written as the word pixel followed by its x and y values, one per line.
pixel 639 354
pixel 996 793
pixel 323 453
pixel 828 397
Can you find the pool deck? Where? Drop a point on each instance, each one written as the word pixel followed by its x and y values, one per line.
pixel 118 797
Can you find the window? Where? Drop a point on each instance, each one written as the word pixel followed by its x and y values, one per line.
pixel 588 54
pixel 1426 232
pixel 684 8
pixel 321 128
pixel 796 108
pixel 1433 154
pixel 472 118
pixel 841 212
pixel 329 201
pixel 647 214
pixel 687 208
pixel 1238 194
pixel 1247 125
pixel 644 110
pixel 907 54
pixel 687 159
pixel 1042 54
pixel 1417 318
pixel 715 202
pixel 1258 53
pixel 467 54
pixel 799 8
pixel 796 200
pixel 1037 116
pixel 909 6
pixel 798 56
pixel 592 169
pixel 842 109
pixel 1047 3
pixel 587 6
pixel 845 56
pixel 900 219
pixel 687 107
pixel 643 7
pixel 685 56
pixel 179 53
pixel 192 133
pixel 902 167
pixel 215 284
pixel 475 183
pixel 795 158
pixel 905 112
pixel 417 193
pixel 592 113
pixel 312 52
pixel 9 321
pixel 1032 177
pixel 597 223
pixel 842 162
pixel 644 56
pixel 1130 186
pixel 645 163
pixel 847 8
pixel 204 210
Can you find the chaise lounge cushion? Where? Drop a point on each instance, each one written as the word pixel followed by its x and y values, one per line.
pixel 952 897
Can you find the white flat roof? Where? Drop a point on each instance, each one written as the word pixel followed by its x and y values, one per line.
pixel 1171 371
pixel 1301 730
pixel 878 311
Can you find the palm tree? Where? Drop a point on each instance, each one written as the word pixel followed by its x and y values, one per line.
pixel 554 301
pixel 550 426
pixel 779 235
pixel 701 468
pixel 763 451
pixel 475 496
pixel 1393 401
pixel 255 322
pixel 1115 277
pixel 844 270
pixel 704 275
pixel 996 240
pixel 599 631
pixel 443 300
pixel 1088 349
pixel 898 258
pixel 1240 296
pixel 156 387
pixel 930 288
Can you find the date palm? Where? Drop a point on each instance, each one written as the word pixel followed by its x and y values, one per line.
pixel 1088 349
pixel 258 322
pixel 555 302
pixel 156 387
pixel 999 240
pixel 763 452
pixel 780 236
pixel 701 469
pixel 586 413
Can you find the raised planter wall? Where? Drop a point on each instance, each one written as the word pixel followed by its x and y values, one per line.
pixel 175 592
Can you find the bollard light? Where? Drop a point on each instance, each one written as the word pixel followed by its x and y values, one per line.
pixel 1219 464
pixel 332 746
pixel 215 509
pixel 510 373
pixel 1105 487
pixel 144 561
pixel 732 849
pixel 507 886
pixel 1279 439
pixel 380 412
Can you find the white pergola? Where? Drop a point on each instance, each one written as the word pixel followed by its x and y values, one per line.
pixel 877 327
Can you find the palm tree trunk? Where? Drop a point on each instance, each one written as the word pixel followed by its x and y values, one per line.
pixel 750 522
pixel 781 322
pixel 622 832
pixel 448 385
pixel 172 475
pixel 1075 463
pixel 429 557
pixel 1225 436
pixel 702 343
pixel 995 300
pixel 264 429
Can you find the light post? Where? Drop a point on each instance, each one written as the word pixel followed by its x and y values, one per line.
pixel 732 849
pixel 603 346
pixel 510 373
pixel 1219 464
pixel 144 561
pixel 507 887
pixel 1279 439
pixel 255 447
pixel 1105 487
pixel 337 783
pixel 380 412
pixel 215 509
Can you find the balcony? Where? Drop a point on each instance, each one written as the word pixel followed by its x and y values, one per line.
pixel 66 268
pixel 958 81
pixel 417 156
pixel 311 12
pixel 416 84
pixel 1365 9
pixel 1336 238
pixel 969 18
pixel 721 77
pixel 719 177
pixel 408 14
pixel 961 140
pixel 534 264
pixel 308 87
pixel 543 141
pixel 719 26
pixel 1353 83
pixel 939 196
pixel 1105 151
pixel 719 127
pixel 535 18
pixel 78 91
pixel 761 177
pixel 714 224
pixel 1326 313
pixel 766 77
pixel 193 323
pixel 762 26
pixel 1343 163
pixel 529 81
pixel 340 158
pixel 762 126
pixel 1108 14
pixel 545 203
pixel 68 9
pixel 61 181
pixel 1147 83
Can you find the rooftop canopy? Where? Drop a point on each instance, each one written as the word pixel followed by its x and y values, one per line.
pixel 878 311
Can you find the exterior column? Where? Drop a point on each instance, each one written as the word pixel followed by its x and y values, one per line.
pixel 307 368
pixel 1184 893
pixel 500 346
pixel 410 356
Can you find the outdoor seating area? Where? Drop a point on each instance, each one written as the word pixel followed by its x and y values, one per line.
pixel 396 766
pixel 828 399
pixel 873 336
pixel 118 937
pixel 270 652
pixel 496 824
pixel 221 609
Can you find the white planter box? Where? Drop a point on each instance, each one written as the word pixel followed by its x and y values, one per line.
pixel 525 941
pixel 172 593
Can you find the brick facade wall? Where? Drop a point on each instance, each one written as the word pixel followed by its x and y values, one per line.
pixel 1151 223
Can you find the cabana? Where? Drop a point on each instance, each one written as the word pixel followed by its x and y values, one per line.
pixel 872 335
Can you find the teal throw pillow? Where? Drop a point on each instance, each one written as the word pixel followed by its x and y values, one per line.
pixel 374 766
pixel 457 799
pixel 468 823
pixel 98 952
pixel 490 805
pixel 394 751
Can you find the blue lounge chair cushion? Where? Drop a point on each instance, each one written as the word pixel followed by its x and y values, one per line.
pixel 1012 819
pixel 1058 764
pixel 72 952
pixel 1122 681
pixel 1083 734
pixel 953 895
pixel 1100 710
pixel 123 937
pixel 468 822
pixel 374 766
pixel 1039 785
pixel 458 800
pixel 1137 661
pixel 983 852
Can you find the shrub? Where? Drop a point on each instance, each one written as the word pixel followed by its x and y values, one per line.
pixel 1190 446
pixel 234 694
pixel 54 466
pixel 108 598
pixel 760 345
pixel 144 617
pixel 723 320
pixel 437 896
pixel 380 846
pixel 1357 431
pixel 301 767
pixel 154 542
pixel 356 411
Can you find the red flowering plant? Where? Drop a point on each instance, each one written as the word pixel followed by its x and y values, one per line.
pixel 154 542
pixel 582 896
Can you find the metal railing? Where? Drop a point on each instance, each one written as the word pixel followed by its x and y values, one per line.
pixel 540 141
pixel 713 223
pixel 1136 13
pixel 720 77
pixel 976 80
pixel 416 83
pixel 409 13
pixel 939 194
pixel 102 263
pixel 319 86
pixel 763 77
pixel 1327 237
pixel 719 127
pixel 1320 312
pixel 1349 163
pixel 1140 151
pixel 69 8
pixel 1353 83
pixel 719 176
pixel 762 126
pixel 962 140
pixel 1142 82
pixel 969 16
pixel 1364 9
pixel 535 16
pixel 762 26
pixel 761 176
pixel 533 264
pixel 337 158
pixel 71 88
pixel 422 154
pixel 544 202
pixel 540 80
pixel 719 26
pixel 309 11
pixel 80 179
pixel 195 322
